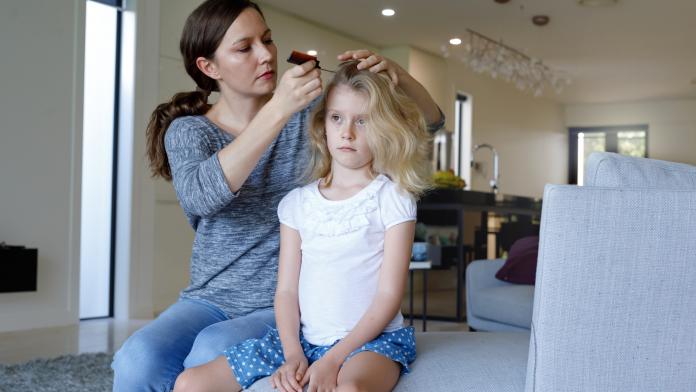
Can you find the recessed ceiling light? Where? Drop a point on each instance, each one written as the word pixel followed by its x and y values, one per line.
pixel 388 12
pixel 312 52
pixel 455 41
pixel 540 20
pixel 597 3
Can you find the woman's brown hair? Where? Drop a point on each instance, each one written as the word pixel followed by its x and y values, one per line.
pixel 202 34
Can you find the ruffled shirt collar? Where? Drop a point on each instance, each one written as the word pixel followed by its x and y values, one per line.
pixel 336 217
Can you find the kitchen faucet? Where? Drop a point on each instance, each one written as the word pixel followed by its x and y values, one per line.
pixel 494 181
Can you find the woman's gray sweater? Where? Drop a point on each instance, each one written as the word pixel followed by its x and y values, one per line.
pixel 234 262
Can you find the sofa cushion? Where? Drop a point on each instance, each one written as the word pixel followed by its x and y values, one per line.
pixel 462 362
pixel 520 266
pixel 510 304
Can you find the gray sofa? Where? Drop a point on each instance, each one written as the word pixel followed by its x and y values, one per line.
pixel 494 305
pixel 615 301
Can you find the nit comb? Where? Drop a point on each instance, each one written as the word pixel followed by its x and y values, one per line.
pixel 301 58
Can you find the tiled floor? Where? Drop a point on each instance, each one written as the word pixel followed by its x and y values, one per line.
pixel 106 335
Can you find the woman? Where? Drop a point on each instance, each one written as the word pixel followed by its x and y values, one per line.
pixel 231 163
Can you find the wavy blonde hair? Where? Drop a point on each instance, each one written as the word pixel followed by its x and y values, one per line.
pixel 396 131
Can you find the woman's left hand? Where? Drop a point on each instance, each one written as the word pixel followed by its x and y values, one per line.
pixel 374 62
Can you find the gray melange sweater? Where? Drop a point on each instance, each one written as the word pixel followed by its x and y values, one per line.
pixel 234 262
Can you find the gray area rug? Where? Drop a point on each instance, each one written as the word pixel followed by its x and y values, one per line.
pixel 74 373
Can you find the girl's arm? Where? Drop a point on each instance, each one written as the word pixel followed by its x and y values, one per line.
pixel 287 308
pixel 376 63
pixel 287 312
pixel 390 290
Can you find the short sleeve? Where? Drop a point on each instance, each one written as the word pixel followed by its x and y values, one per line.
pixel 396 205
pixel 289 209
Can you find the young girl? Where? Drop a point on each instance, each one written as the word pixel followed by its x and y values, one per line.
pixel 345 245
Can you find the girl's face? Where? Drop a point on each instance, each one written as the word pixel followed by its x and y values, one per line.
pixel 346 127
pixel 246 59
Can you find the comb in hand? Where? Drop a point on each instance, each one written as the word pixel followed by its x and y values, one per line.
pixel 301 58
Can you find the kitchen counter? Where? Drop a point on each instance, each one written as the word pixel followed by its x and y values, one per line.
pixel 482 201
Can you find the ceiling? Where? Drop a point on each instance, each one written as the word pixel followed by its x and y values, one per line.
pixel 634 50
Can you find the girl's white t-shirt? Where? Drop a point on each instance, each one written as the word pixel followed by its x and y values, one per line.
pixel 342 252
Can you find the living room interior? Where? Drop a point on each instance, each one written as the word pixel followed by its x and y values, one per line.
pixel 623 64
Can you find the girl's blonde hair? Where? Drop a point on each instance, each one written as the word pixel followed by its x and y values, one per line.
pixel 396 131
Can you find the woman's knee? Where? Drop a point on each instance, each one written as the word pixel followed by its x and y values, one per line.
pixel 138 362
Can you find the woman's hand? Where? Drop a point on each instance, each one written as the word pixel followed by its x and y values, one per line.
pixel 287 377
pixel 297 88
pixel 400 77
pixel 322 375
pixel 374 62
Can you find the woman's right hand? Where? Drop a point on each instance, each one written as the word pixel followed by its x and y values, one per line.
pixel 287 377
pixel 297 88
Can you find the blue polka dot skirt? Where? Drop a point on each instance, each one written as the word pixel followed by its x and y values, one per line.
pixel 254 359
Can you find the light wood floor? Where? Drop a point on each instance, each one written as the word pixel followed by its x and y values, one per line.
pixel 107 335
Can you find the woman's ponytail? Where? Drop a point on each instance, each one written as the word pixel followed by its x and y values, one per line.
pixel 182 104
pixel 203 31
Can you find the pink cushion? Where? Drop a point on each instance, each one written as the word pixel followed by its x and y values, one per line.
pixel 520 266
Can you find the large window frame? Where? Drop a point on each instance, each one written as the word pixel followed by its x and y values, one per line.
pixel 118 6
pixel 611 143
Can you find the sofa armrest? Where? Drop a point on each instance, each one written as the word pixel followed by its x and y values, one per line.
pixel 615 291
pixel 481 274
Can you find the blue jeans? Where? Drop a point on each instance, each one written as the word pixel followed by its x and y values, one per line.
pixel 189 333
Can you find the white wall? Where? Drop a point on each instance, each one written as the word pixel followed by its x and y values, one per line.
pixel 40 153
pixel 672 124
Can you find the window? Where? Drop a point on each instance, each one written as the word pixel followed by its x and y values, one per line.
pixel 100 149
pixel 631 140
pixel 461 143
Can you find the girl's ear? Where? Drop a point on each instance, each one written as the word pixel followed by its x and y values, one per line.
pixel 208 67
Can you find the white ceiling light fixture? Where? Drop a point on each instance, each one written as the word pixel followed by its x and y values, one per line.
pixel 312 52
pixel 455 41
pixel 485 55
pixel 597 3
pixel 388 12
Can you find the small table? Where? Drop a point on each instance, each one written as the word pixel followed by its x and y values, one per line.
pixel 424 266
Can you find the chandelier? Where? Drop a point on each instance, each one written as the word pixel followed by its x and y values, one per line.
pixel 485 55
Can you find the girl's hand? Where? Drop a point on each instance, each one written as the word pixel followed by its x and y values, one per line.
pixel 322 376
pixel 374 62
pixel 287 377
pixel 297 88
